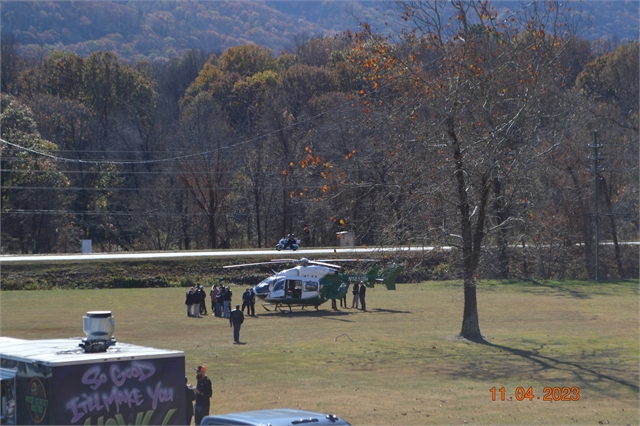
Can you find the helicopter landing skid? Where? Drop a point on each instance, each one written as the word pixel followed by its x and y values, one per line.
pixel 278 307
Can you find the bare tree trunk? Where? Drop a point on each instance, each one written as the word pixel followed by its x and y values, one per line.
pixel 256 203
pixel 470 323
pixel 614 232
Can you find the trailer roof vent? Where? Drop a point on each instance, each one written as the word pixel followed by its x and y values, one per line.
pixel 98 326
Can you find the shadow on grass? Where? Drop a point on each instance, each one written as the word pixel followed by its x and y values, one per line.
pixel 562 289
pixel 320 313
pixel 583 373
pixel 389 311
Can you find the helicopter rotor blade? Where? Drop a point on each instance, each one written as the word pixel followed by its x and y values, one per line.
pixel 248 264
pixel 300 261
pixel 304 261
pixel 315 262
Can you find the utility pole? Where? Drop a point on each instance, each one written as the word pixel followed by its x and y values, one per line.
pixel 595 197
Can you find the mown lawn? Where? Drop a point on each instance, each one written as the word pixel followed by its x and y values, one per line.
pixel 400 363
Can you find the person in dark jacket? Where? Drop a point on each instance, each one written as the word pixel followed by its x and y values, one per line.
pixel 197 298
pixel 203 393
pixel 203 302
pixel 252 302
pixel 220 302
pixel 189 301
pixel 356 295
pixel 227 301
pixel 189 398
pixel 236 318
pixel 362 294
pixel 246 301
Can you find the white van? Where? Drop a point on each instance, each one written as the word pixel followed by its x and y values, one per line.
pixel 276 417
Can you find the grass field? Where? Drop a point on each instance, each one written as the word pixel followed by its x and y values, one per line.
pixel 400 363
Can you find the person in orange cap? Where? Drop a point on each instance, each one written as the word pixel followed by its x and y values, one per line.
pixel 203 392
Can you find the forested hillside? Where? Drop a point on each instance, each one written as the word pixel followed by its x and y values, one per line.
pixel 478 133
pixel 151 29
pixel 161 30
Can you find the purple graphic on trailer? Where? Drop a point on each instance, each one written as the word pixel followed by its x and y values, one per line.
pixel 146 391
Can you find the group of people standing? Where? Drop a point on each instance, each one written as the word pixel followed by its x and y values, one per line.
pixel 221 297
pixel 221 300
pixel 359 292
pixel 196 306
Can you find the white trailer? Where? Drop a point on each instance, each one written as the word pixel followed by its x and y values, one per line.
pixel 90 381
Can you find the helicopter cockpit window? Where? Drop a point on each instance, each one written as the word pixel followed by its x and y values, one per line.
pixel 279 285
pixel 263 286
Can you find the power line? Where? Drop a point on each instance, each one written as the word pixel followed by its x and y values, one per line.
pixel 180 157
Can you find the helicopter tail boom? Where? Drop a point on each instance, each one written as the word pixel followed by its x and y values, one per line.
pixel 389 276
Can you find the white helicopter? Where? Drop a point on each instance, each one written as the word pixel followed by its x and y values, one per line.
pixel 312 283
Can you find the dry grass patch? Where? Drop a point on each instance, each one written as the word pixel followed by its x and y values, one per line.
pixel 400 363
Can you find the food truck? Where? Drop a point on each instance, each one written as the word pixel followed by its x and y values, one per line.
pixel 90 381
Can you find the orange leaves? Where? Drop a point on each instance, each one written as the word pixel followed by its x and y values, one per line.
pixel 369 63
pixel 349 155
pixel 325 188
pixel 310 160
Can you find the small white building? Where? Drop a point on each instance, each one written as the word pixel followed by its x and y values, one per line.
pixel 345 239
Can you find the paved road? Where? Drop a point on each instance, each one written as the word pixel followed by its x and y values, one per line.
pixel 351 251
